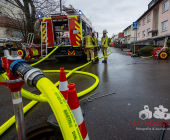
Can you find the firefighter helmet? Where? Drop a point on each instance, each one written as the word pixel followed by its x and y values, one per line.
pixel 105 31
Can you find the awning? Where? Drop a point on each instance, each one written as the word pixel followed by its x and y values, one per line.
pixel 161 36
pixel 153 31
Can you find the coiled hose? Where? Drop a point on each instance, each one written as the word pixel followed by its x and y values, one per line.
pixel 41 98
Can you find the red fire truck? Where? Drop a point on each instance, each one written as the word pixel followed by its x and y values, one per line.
pixel 66 28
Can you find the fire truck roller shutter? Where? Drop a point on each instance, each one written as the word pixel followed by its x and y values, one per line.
pixel 76 39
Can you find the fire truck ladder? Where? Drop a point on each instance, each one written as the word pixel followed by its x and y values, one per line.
pixel 44 39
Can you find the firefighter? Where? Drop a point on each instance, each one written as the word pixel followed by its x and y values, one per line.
pixel 104 45
pixel 95 47
pixel 89 47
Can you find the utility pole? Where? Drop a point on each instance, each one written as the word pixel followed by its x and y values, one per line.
pixel 60 6
pixel 134 41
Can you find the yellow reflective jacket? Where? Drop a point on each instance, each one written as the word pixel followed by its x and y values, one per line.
pixel 95 41
pixel 88 41
pixel 104 42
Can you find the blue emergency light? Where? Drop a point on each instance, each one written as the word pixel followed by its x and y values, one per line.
pixel 79 12
pixel 39 15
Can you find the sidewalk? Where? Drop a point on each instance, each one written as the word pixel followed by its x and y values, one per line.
pixel 119 50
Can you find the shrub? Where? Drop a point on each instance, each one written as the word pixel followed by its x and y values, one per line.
pixel 155 46
pixel 168 43
pixel 146 50
pixel 167 49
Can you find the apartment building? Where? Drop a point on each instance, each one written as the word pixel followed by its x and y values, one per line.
pixel 11 18
pixel 115 38
pixel 128 35
pixel 154 24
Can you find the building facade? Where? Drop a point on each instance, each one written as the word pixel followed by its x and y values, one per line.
pixel 115 38
pixel 12 20
pixel 121 37
pixel 154 24
pixel 128 35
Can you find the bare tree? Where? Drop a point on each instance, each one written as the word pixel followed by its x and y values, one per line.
pixel 32 7
pixel 46 7
pixel 29 12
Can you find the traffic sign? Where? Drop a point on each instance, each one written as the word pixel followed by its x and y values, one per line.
pixel 135 25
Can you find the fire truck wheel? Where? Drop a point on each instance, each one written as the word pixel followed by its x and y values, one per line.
pixel 21 53
pixel 163 55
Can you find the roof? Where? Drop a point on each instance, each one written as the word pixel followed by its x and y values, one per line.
pixel 153 6
pixel 127 27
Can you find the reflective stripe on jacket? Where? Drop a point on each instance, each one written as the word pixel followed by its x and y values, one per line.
pixel 95 41
pixel 104 42
pixel 88 41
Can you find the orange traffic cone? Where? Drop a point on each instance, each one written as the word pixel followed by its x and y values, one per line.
pixel 63 83
pixel 74 105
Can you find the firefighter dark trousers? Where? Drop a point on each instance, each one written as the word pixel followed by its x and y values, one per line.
pixel 95 53
pixel 104 49
pixel 90 52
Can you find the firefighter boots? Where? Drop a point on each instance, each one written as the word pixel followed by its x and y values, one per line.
pixel 104 61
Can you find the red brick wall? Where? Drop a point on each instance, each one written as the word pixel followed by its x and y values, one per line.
pixel 120 35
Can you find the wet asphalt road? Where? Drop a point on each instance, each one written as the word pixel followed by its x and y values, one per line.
pixel 136 82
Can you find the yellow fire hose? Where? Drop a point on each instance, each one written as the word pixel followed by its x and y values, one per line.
pixel 62 112
pixel 45 57
pixel 7 124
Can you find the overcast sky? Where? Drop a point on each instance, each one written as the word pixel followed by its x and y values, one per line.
pixel 113 15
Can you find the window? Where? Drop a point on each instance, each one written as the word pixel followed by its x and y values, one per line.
pixel 143 33
pixel 149 17
pixel 164 25
pixel 148 32
pixel 125 33
pixel 18 34
pixel 4 1
pixel 128 31
pixel 144 21
pixel 138 24
pixel 138 34
pixel 165 5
